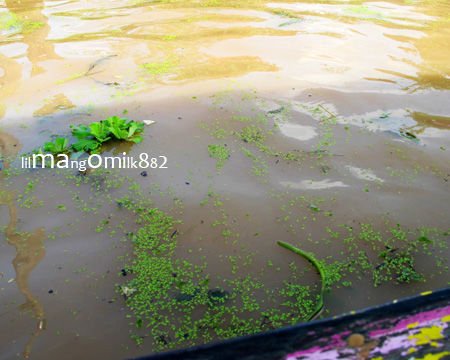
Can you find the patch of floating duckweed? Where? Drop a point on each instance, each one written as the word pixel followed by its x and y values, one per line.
pixel 252 134
pixel 13 22
pixel 363 10
pixel 176 302
pixel 61 207
pixel 169 37
pixel 219 133
pixel 390 256
pixel 219 152
pixel 259 167
pixel 159 68
pixel 387 254
pixel 256 130
pixel 223 218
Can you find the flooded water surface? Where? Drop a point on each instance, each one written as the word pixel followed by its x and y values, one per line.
pixel 323 124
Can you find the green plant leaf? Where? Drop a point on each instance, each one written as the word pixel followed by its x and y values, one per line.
pixel 118 133
pixel 136 139
pixel 88 145
pixel 100 131
pixel 135 128
pixel 58 146
pixel 81 131
pixel 116 122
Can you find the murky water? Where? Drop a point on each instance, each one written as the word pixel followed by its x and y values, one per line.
pixel 199 69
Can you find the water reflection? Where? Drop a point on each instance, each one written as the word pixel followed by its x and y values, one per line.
pixel 369 46
pixel 38 48
pixel 34 33
pixel 29 246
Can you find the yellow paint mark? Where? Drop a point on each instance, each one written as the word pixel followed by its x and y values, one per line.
pixel 427 335
pixel 436 356
pixel 411 350
pixel 412 325
pixel 425 293
pixel 446 318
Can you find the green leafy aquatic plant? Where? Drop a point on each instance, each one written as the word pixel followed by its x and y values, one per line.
pixel 92 136
pixel 58 146
pixel 122 129
pixel 100 131
pixel 86 145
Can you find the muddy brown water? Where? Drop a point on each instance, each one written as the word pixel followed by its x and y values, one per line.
pixel 381 67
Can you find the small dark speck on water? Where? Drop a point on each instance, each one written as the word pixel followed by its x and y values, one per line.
pixel 124 272
pixel 179 117
pixel 50 291
pixel 144 174
pixel 187 183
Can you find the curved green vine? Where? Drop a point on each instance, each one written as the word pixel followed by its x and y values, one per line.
pixel 320 269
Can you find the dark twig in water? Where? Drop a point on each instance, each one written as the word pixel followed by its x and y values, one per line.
pixel 96 63
pixel 328 111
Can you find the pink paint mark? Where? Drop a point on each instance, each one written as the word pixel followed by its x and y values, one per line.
pixel 335 341
pixel 303 353
pixel 420 318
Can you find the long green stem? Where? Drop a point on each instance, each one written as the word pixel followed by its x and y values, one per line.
pixel 318 265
